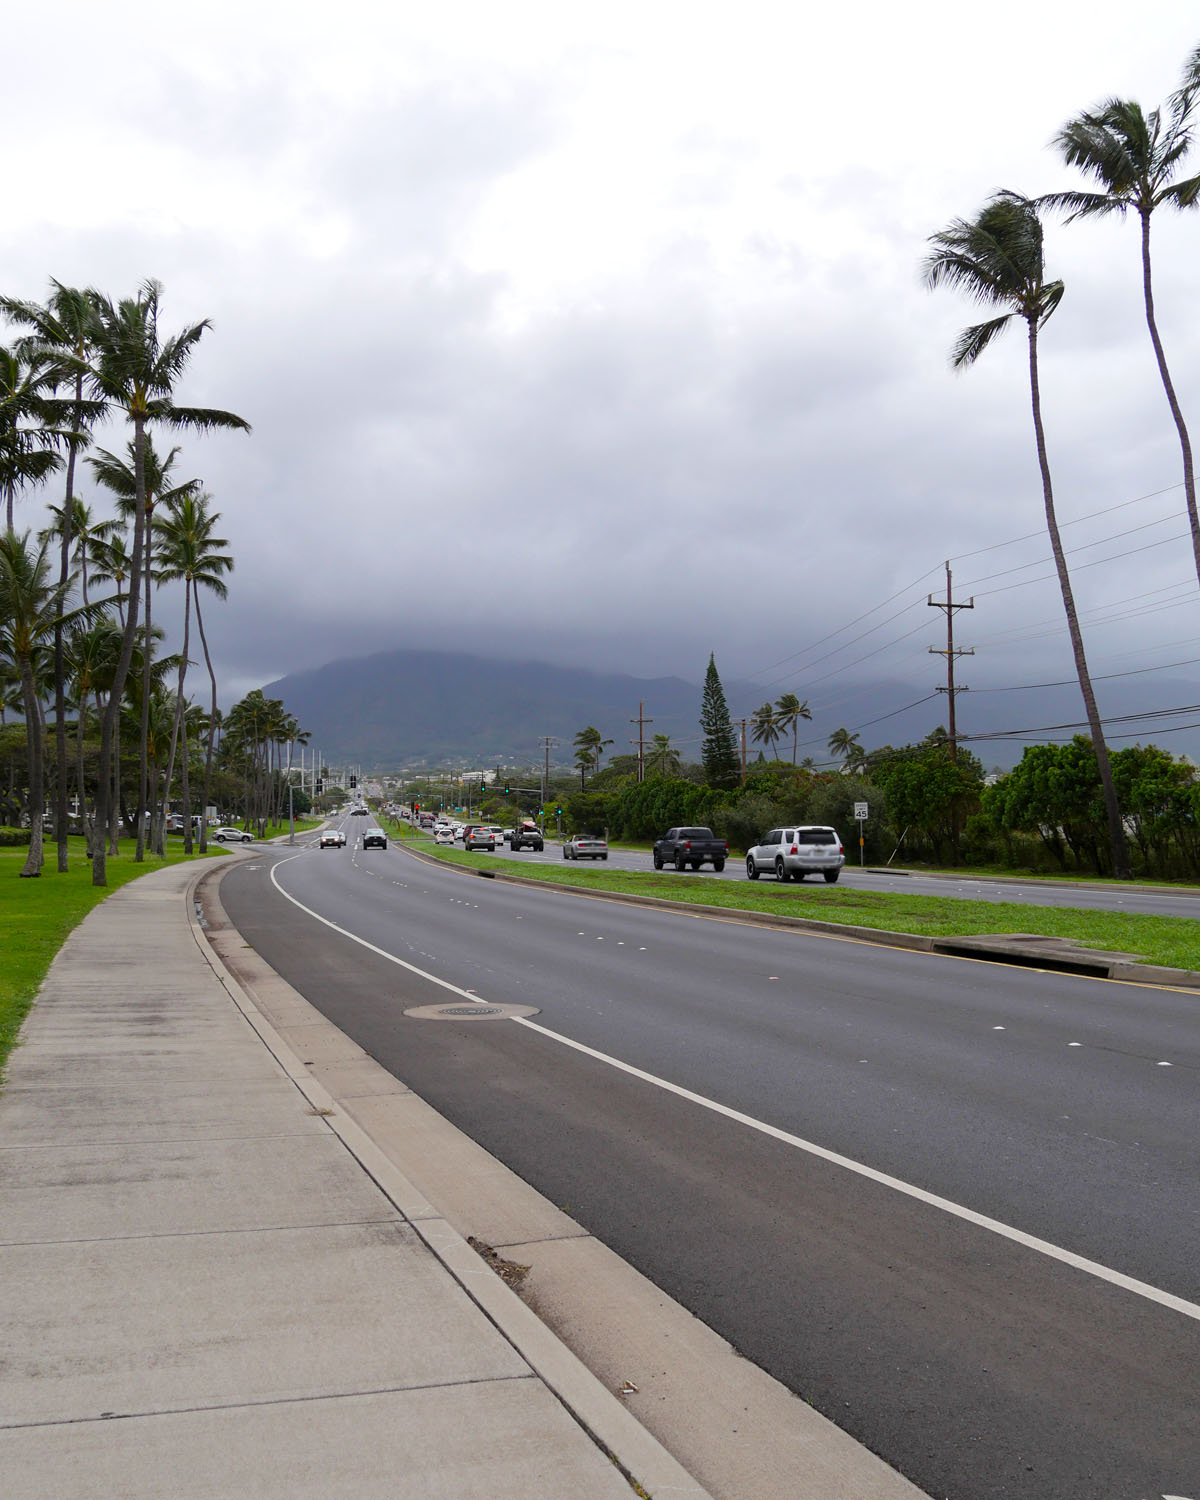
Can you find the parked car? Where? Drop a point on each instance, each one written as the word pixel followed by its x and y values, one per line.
pixel 232 836
pixel 583 846
pixel 480 838
pixel 331 839
pixel 793 853
pixel 374 838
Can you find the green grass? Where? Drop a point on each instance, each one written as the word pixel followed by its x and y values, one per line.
pixel 37 915
pixel 1174 941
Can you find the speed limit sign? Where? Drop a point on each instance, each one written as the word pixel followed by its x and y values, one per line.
pixel 860 811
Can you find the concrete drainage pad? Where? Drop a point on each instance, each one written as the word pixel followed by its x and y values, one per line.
pixel 467 1012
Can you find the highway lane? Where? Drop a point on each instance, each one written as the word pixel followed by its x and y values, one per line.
pixel 949 1349
pixel 1156 901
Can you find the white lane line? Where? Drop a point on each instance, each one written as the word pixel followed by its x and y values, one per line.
pixel 910 1190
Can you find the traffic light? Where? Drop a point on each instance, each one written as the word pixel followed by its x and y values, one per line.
pixel 558 812
pixel 320 785
pixel 507 788
pixel 353 781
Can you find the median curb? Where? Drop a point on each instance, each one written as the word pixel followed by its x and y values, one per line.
pixel 1019 949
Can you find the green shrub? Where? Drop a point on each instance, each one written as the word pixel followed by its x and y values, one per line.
pixel 14 838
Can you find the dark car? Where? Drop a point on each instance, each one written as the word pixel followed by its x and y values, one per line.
pixel 375 839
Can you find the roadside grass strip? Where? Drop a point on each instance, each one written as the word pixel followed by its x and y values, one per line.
pixel 36 917
pixel 1171 941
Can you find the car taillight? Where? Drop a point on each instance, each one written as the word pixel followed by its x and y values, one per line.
pixel 726 846
pixel 840 849
pixel 793 850
pixel 687 843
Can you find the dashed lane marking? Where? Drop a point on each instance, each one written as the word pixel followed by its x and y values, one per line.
pixel 909 1190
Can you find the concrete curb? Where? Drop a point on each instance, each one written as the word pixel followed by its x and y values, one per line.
pixel 638 1454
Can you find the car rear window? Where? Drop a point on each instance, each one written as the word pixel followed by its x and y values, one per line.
pixel 816 836
pixel 695 833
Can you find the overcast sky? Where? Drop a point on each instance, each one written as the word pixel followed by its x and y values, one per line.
pixel 597 335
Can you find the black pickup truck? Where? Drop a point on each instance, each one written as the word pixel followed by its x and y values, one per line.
pixel 682 847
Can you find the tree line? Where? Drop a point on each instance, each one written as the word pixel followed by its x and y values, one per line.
pixel 80 651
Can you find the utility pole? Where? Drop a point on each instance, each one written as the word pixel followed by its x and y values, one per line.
pixel 641 721
pixel 547 741
pixel 950 653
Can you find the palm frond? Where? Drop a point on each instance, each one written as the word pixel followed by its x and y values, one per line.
pixel 1182 194
pixel 973 341
pixel 1083 205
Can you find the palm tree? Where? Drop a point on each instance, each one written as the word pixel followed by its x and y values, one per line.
pixel 30 607
pixel 29 436
pixel 191 554
pixel 91 658
pixel 118 476
pixel 589 747
pixel 136 371
pixel 663 756
pixel 997 259
pixel 1133 157
pixel 846 745
pixel 764 727
pixel 111 563
pixel 64 325
pixel 788 712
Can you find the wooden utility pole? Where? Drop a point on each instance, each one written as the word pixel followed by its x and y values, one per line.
pixel 641 721
pixel 950 653
pixel 547 742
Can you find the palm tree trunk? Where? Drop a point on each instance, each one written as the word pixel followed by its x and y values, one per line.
pixel 212 727
pixel 1116 829
pixel 1185 442
pixel 110 724
pixel 80 731
pixel 37 791
pixel 144 728
pixel 177 720
pixel 64 568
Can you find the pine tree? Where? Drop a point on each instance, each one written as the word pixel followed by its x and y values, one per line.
pixel 719 752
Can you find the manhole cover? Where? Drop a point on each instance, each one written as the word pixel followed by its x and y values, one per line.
pixel 470 1012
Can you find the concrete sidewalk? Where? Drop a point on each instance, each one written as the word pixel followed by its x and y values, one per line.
pixel 211 1286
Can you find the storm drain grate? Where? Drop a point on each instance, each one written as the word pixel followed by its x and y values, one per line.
pixel 471 1010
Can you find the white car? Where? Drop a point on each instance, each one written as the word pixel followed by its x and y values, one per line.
pixel 232 836
pixel 443 835
pixel 793 853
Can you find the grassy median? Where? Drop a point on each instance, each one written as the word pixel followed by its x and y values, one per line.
pixel 1174 941
pixel 37 915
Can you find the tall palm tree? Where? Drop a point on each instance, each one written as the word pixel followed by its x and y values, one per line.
pixel 589 747
pixel 64 325
pixel 111 563
pixel 997 259
pixel 188 552
pixel 788 713
pixel 1133 157
pixel 118 475
pixel 136 370
pixel 663 756
pixel 844 743
pixel 764 727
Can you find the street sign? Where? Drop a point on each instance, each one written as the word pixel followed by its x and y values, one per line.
pixel 860 811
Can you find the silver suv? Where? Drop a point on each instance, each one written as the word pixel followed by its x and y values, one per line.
pixel 793 853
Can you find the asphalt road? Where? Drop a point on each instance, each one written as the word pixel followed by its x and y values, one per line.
pixel 978 1358
pixel 1157 901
